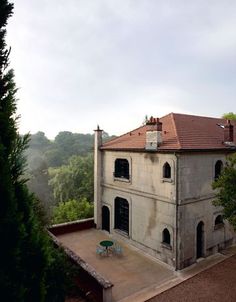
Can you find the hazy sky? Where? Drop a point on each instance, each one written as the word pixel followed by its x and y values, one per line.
pixel 79 63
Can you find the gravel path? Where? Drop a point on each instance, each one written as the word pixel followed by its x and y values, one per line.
pixel 217 283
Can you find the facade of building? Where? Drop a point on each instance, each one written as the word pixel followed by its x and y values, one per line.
pixel 153 187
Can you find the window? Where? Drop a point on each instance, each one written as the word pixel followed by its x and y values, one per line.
pixel 122 214
pixel 218 169
pixel 166 171
pixel 166 237
pixel 219 222
pixel 121 168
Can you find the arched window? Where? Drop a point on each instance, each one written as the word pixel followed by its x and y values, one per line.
pixel 219 220
pixel 121 168
pixel 218 169
pixel 166 170
pixel 122 214
pixel 166 236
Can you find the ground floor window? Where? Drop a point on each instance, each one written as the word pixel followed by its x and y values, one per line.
pixel 166 236
pixel 122 214
pixel 219 223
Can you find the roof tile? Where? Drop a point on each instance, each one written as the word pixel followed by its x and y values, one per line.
pixel 180 132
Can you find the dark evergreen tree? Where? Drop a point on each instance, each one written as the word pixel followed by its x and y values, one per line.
pixel 27 259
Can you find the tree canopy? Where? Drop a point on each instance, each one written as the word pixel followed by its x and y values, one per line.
pixel 73 181
pixel 225 186
pixel 229 116
pixel 72 210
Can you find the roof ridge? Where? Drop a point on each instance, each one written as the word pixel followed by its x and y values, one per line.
pixel 120 136
pixel 194 115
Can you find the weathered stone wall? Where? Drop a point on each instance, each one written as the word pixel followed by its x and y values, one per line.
pixel 151 200
pixel 146 171
pixel 196 174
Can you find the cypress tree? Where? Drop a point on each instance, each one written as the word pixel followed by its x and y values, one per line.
pixel 27 259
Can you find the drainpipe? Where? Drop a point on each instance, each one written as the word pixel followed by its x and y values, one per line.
pixel 177 214
pixel 97 177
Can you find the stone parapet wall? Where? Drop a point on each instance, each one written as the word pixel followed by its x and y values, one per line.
pixel 88 278
pixel 73 226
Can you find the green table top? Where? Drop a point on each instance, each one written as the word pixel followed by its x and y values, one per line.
pixel 106 243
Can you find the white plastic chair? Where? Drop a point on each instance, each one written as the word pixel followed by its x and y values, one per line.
pixel 118 250
pixel 100 250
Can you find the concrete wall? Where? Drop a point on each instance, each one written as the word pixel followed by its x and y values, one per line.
pixel 145 171
pixel 196 174
pixel 151 200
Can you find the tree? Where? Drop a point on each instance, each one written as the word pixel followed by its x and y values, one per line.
pixel 73 181
pixel 226 190
pixel 26 255
pixel 229 116
pixel 72 210
pixel 39 141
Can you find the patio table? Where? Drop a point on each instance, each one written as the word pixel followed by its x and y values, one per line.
pixel 107 244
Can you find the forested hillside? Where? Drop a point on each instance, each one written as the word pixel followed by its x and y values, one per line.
pixel 60 173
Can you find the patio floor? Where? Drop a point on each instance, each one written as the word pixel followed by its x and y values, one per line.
pixel 130 273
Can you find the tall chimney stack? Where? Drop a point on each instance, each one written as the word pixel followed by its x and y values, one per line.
pixel 153 134
pixel 228 132
pixel 97 177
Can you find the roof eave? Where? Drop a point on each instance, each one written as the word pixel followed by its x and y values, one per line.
pixel 228 149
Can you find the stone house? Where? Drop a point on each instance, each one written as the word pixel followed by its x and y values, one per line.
pixel 153 187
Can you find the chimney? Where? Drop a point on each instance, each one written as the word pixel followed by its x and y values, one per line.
pixel 97 178
pixel 153 134
pixel 228 132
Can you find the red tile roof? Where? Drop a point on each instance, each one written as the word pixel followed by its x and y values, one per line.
pixel 179 132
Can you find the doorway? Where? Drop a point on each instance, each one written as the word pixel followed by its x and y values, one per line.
pixel 106 218
pixel 200 240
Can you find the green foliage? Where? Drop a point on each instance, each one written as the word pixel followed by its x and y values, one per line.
pixel 229 116
pixel 67 144
pixel 39 141
pixel 226 190
pixel 72 210
pixel 44 154
pixel 73 181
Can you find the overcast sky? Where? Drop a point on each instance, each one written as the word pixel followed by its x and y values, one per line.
pixel 79 63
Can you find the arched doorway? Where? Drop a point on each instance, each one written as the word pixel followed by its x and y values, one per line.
pixel 106 218
pixel 200 240
pixel 122 215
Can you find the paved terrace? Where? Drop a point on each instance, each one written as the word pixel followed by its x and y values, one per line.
pixel 132 274
pixel 138 277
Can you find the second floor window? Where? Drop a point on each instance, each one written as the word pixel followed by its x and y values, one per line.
pixel 166 170
pixel 219 220
pixel 121 168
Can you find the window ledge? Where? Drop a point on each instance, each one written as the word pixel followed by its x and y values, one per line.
pixel 166 246
pixel 121 179
pixel 167 180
